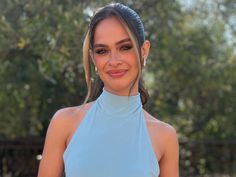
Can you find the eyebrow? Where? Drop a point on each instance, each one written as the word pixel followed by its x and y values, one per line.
pixel 117 43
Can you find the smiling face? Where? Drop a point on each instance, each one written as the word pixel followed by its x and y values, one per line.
pixel 115 58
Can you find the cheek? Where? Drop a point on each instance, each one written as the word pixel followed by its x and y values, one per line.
pixel 99 63
pixel 133 61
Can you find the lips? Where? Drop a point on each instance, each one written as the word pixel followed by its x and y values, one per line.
pixel 117 73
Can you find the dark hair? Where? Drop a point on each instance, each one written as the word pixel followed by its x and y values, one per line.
pixel 134 26
pixel 125 14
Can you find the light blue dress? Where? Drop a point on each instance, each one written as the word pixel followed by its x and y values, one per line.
pixel 112 140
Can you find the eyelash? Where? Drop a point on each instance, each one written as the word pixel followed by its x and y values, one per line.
pixel 104 51
pixel 126 47
pixel 100 51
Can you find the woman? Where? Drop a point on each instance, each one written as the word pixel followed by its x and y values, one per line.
pixel 112 136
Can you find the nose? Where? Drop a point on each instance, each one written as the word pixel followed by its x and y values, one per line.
pixel 114 58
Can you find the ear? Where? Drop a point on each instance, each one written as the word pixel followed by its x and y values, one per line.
pixel 145 50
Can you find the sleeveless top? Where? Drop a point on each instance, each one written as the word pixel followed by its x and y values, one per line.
pixel 112 140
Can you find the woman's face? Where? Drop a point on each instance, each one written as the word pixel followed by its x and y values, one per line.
pixel 115 57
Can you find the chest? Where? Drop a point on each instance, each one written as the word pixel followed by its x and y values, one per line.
pixel 101 148
pixel 112 165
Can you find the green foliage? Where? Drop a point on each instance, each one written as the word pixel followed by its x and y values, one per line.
pixel 40 68
pixel 194 72
pixel 191 71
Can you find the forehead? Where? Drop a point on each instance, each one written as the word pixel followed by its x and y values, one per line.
pixel 109 30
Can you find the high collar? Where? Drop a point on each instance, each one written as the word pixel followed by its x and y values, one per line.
pixel 119 106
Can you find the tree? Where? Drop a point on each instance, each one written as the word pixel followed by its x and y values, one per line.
pixel 190 72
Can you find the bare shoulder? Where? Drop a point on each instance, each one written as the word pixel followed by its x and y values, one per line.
pixel 161 127
pixel 68 114
pixel 60 128
pixel 67 119
pixel 163 135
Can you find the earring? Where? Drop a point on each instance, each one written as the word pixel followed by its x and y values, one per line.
pixel 144 61
pixel 96 70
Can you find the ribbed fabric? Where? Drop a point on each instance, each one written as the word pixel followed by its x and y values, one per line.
pixel 112 140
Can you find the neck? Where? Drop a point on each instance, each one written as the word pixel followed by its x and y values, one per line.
pixel 116 105
pixel 125 92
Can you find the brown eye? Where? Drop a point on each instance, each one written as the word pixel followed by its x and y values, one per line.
pixel 126 47
pixel 101 51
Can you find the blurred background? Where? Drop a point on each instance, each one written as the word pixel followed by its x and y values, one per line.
pixel 190 74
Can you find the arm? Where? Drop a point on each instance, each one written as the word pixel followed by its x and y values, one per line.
pixel 51 164
pixel 169 163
